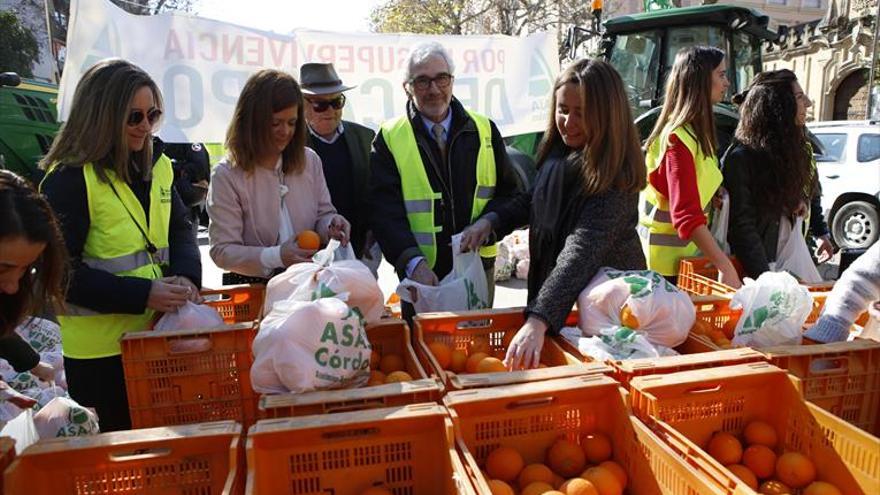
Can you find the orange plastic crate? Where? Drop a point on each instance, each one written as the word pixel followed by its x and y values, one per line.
pixel 386 337
pixel 626 370
pixel 529 417
pixel 687 408
pixel 181 459
pixel 458 329
pixel 697 275
pixel 408 449
pixel 7 455
pixel 843 378
pixel 194 376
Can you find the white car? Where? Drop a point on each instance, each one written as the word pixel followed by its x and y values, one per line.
pixel 849 172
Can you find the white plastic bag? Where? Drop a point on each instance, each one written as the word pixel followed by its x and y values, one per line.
pixel 793 254
pixel 720 222
pixel 22 430
pixel 615 343
pixel 64 417
pixel 775 308
pixel 305 346
pixel 334 272
pixel 43 335
pixel 665 314
pixel 464 288
pixel 189 317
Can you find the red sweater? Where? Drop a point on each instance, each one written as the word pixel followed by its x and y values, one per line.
pixel 676 179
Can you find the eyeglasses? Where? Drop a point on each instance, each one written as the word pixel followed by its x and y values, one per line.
pixel 137 116
pixel 322 105
pixel 422 83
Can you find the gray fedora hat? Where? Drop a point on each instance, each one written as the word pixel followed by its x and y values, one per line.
pixel 320 79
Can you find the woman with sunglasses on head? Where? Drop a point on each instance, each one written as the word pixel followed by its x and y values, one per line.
pixel 769 171
pixel 581 211
pixel 32 269
pixel 270 187
pixel 130 241
pixel 683 174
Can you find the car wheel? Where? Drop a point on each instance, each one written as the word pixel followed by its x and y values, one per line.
pixel 856 225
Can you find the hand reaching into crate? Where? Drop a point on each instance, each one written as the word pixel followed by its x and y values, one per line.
pixel 525 348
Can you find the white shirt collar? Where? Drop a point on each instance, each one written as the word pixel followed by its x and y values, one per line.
pixel 446 123
pixel 339 131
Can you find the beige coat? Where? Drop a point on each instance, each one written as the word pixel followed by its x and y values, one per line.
pixel 245 207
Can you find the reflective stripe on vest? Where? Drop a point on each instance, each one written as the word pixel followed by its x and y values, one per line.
pixel 660 242
pixel 116 245
pixel 419 198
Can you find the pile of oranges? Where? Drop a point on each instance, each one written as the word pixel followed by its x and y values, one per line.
pixel 479 357
pixel 569 469
pixel 759 467
pixel 389 368
pixel 719 336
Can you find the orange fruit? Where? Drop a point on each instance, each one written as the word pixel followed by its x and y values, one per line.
pixel 534 473
pixel 377 491
pixel 554 492
pixel 398 376
pixel 822 488
pixel 376 378
pixel 457 361
pixel 479 344
pixel 760 433
pixel 566 458
pixel 391 363
pixel 628 319
pixel 490 365
pixel 537 488
pixel 308 239
pixel 498 487
pixel 441 353
pixel 760 460
pixel 473 361
pixel 504 463
pixel 578 486
pixel 616 470
pixel 744 474
pixel 375 358
pixel 702 327
pixel 596 446
pixel 604 480
pixel 725 448
pixel 558 480
pixel 774 487
pixel 795 469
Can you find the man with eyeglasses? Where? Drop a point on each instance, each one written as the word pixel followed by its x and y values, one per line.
pixel 344 148
pixel 440 159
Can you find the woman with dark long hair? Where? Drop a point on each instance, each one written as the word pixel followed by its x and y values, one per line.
pixel 127 231
pixel 582 209
pixel 683 174
pixel 769 171
pixel 32 270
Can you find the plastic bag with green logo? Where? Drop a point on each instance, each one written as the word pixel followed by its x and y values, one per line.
pixel 664 313
pixel 64 417
pixel 616 343
pixel 775 308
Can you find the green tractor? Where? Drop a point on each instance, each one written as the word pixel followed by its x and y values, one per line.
pixel 28 123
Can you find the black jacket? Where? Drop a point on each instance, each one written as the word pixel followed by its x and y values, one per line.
pixel 358 139
pixel 571 236
pixel 102 291
pixel 20 355
pixel 191 164
pixel 456 180
pixel 753 231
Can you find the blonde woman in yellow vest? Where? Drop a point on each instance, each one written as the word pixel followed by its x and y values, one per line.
pixel 132 248
pixel 683 173
pixel 582 211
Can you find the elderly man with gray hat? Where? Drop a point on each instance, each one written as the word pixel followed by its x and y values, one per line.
pixel 344 148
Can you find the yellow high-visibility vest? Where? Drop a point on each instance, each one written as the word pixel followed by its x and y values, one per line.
pixel 115 244
pixel 419 198
pixel 660 242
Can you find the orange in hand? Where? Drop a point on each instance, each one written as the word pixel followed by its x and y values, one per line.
pixel 308 239
pixel 628 319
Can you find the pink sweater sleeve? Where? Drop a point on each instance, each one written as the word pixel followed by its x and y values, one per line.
pixel 326 210
pixel 684 195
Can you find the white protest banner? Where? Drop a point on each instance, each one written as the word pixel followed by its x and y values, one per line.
pixel 201 65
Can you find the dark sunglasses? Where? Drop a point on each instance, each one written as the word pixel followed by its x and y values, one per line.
pixel 322 105
pixel 422 83
pixel 136 117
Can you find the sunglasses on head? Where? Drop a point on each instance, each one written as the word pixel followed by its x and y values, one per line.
pixel 137 116
pixel 322 105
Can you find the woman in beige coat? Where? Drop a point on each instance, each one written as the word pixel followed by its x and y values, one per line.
pixel 270 187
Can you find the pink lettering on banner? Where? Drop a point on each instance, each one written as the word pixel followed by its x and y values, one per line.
pixel 344 58
pixel 209 46
pixel 365 55
pixel 172 46
pixel 232 48
pixel 255 51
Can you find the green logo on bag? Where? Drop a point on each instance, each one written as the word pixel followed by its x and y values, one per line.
pixel 641 282
pixel 780 304
pixel 473 299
